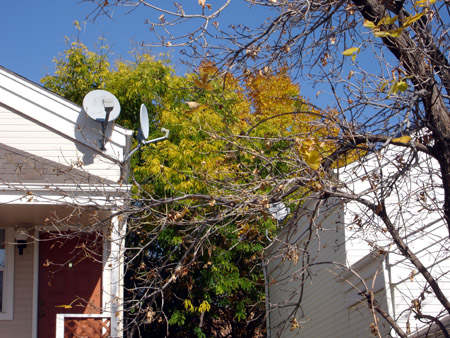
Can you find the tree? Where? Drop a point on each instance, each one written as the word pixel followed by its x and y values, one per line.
pixel 195 233
pixel 384 63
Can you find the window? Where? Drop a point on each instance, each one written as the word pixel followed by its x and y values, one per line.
pixel 6 273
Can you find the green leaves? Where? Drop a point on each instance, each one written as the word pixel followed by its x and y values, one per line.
pixel 78 71
pixel 178 318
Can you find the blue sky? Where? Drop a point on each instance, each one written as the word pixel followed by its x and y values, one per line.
pixel 34 32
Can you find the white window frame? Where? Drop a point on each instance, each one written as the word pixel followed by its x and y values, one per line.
pixel 7 313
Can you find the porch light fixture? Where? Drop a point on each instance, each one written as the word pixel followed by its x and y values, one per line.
pixel 21 237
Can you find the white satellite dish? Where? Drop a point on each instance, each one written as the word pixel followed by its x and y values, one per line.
pixel 279 211
pixel 144 124
pixel 101 106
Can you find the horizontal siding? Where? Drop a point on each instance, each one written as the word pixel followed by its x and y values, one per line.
pixel 25 139
pixel 414 206
pixel 323 296
pixel 20 326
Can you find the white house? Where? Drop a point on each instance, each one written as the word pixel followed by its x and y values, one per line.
pixel 60 197
pixel 319 270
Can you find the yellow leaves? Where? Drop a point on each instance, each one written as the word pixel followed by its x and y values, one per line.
pixel 395 86
pixel 77 25
pixel 377 32
pixel 399 86
pixel 311 152
pixel 188 305
pixel 313 159
pixel 353 51
pixel 349 157
pixel 411 19
pixel 273 96
pixel 387 20
pixel 381 29
pixel 424 3
pixel 155 166
pixel 204 306
pixel 402 139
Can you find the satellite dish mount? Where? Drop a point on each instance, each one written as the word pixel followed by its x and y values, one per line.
pixel 144 132
pixel 103 107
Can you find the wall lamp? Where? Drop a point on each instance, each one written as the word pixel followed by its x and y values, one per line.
pixel 21 237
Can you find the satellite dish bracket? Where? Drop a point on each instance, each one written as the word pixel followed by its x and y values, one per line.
pixel 109 106
pixel 144 142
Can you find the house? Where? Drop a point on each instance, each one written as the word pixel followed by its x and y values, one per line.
pixel 323 268
pixel 61 230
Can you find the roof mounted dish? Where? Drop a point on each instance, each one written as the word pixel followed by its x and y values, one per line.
pixel 103 107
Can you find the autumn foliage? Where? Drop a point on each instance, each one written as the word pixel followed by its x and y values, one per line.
pixel 200 219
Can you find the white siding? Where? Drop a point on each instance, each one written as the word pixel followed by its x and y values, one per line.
pixel 50 159
pixel 413 205
pixel 20 326
pixel 334 307
pixel 30 151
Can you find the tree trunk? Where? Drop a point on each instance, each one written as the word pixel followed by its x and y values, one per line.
pixel 416 61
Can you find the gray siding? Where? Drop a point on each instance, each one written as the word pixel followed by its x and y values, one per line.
pixel 310 291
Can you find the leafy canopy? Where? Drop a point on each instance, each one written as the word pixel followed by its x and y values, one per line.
pixel 201 220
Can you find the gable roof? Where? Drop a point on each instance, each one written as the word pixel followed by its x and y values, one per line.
pixel 61 116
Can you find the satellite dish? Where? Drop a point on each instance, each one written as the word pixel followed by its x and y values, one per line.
pixel 144 124
pixel 101 106
pixel 279 211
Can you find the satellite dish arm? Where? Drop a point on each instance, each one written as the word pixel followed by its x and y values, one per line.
pixel 109 106
pixel 166 136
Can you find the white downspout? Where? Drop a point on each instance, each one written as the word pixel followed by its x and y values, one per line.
pixel 389 290
pixel 266 288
